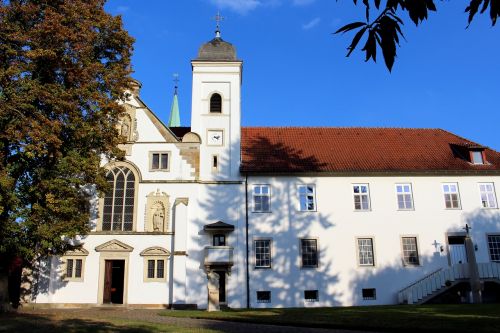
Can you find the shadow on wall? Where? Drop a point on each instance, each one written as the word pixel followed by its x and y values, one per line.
pixel 286 279
pixel 36 279
pixel 482 223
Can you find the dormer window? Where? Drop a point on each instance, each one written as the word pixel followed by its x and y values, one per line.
pixel 476 157
pixel 215 103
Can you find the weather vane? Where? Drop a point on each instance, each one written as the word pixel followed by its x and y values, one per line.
pixel 218 19
pixel 176 81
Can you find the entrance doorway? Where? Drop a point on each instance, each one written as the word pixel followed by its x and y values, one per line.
pixel 222 286
pixel 114 274
pixel 458 255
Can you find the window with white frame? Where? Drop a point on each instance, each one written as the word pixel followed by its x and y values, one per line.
pixel 477 157
pixel 309 253
pixel 488 197
pixel 361 196
pixel 451 196
pixel 262 253
pixel 365 252
pixel 261 198
pixel 410 251
pixel 158 161
pixel 307 198
pixel 494 247
pixel 405 196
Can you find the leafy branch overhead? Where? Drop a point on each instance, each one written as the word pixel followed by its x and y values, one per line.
pixel 384 32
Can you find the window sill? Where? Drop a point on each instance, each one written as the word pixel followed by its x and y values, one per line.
pixel 261 268
pixel 307 211
pixel 261 212
pixel 362 210
pixel 406 210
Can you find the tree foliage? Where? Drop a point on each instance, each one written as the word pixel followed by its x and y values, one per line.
pixel 63 66
pixel 384 32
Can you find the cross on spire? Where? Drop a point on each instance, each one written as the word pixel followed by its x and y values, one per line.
pixel 218 19
pixel 176 82
pixel 467 229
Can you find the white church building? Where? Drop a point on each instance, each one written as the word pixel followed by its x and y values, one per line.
pixel 286 216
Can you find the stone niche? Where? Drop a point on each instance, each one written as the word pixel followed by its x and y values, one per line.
pixel 157 212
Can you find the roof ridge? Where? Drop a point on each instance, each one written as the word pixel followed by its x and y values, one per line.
pixel 345 127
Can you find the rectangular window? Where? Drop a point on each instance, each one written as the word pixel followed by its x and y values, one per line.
pixel 219 240
pixel 488 197
pixel 156 266
pixel 215 163
pixel 369 293
pixel 365 252
pixel 494 247
pixel 311 295
pixel 451 196
pixel 263 297
pixel 410 251
pixel 160 269
pixel 261 198
pixel 159 161
pixel 477 157
pixel 78 268
pixel 361 196
pixel 69 268
pixel 309 251
pixel 307 200
pixel 73 269
pixel 151 269
pixel 405 196
pixel 263 253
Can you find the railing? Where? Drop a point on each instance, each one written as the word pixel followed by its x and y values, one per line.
pixel 218 255
pixel 444 278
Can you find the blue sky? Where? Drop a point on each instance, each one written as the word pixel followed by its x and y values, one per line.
pixel 295 72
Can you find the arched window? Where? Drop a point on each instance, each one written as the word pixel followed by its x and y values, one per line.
pixel 216 103
pixel 118 212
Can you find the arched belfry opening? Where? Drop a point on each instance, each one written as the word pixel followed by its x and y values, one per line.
pixel 216 103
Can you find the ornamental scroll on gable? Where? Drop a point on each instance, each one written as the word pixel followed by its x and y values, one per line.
pixel 157 212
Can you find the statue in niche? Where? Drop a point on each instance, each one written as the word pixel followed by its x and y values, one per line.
pixel 125 128
pixel 158 219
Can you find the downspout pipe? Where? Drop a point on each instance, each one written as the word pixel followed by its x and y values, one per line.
pixel 246 242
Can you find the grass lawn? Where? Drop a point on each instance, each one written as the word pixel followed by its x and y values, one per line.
pixel 424 318
pixel 68 323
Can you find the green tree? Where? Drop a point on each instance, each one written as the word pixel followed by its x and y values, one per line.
pixel 63 66
pixel 385 30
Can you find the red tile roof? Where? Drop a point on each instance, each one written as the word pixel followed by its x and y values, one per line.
pixel 330 149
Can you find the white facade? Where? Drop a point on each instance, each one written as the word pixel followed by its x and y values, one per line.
pixel 193 191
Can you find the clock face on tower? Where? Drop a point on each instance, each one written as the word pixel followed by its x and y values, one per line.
pixel 215 137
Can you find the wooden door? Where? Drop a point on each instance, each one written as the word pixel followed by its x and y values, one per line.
pixel 108 278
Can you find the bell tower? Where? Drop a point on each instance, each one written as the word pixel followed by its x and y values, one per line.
pixel 216 113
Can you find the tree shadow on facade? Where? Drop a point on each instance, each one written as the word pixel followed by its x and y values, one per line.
pixel 395 276
pixel 284 226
